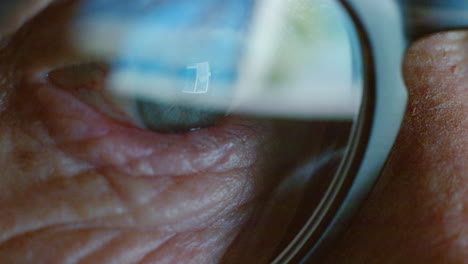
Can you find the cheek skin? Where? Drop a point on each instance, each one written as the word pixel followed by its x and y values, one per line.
pixel 49 195
pixel 417 214
pixel 85 188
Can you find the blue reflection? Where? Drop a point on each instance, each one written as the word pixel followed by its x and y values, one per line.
pixel 158 67
pixel 165 37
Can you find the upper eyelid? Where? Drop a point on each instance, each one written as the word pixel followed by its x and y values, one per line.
pixel 43 44
pixel 13 14
pixel 46 42
pixel 44 30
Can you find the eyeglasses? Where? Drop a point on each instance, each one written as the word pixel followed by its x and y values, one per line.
pixel 321 78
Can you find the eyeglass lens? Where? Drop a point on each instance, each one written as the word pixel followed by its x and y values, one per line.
pixel 290 72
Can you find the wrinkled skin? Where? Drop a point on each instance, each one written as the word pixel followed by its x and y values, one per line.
pixel 79 187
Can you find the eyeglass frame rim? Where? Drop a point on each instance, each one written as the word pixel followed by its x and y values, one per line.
pixel 388 115
pixel 371 139
pixel 389 107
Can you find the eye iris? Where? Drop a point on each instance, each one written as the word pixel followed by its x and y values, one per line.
pixel 167 118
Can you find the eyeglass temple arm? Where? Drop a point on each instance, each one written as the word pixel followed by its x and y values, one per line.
pixel 424 17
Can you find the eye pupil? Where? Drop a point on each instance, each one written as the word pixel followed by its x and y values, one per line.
pixel 170 118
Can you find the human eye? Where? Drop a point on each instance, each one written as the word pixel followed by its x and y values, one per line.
pixel 190 65
pixel 179 52
pixel 88 82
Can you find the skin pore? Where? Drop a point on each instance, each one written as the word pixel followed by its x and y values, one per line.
pixel 418 211
pixel 113 193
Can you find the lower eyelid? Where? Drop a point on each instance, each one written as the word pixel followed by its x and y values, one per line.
pixel 107 143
